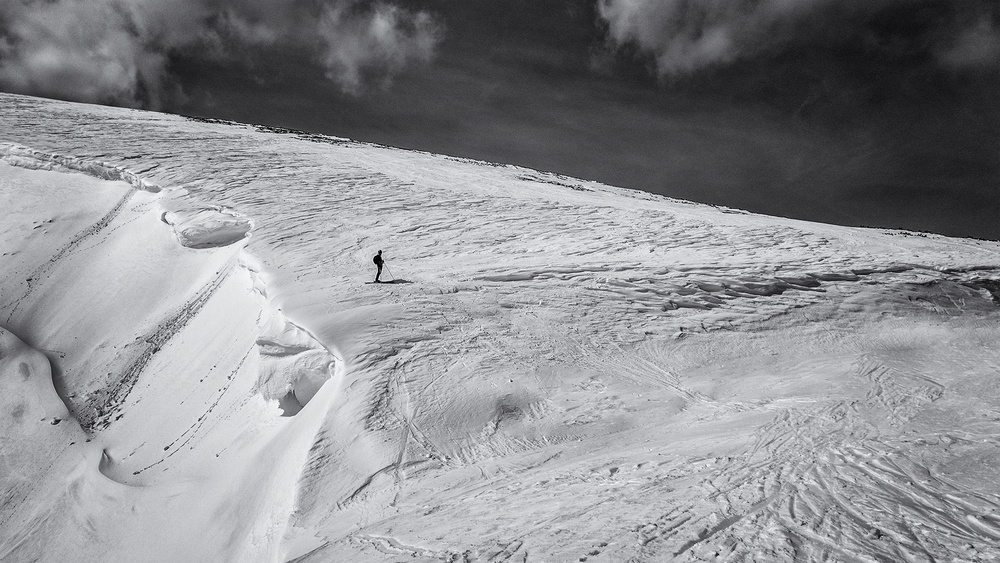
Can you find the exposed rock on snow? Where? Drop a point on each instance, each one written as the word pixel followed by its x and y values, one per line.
pixel 575 372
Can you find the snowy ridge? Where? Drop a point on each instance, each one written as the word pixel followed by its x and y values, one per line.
pixel 26 157
pixel 565 372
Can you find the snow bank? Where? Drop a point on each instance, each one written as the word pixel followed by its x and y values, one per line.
pixel 27 378
pixel 175 368
pixel 207 227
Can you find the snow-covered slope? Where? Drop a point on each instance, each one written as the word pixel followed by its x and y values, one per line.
pixel 192 367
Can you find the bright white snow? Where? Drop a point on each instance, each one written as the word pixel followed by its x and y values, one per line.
pixel 192 367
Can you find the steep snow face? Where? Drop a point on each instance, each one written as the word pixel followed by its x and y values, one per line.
pixel 193 367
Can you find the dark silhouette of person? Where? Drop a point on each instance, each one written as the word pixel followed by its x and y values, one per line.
pixel 378 262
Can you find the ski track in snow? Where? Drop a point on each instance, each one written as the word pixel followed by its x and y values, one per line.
pixel 810 482
pixel 575 373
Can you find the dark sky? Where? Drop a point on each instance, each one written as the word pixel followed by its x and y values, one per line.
pixel 878 113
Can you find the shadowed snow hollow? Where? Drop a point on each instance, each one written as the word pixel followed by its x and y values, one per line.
pixel 574 372
pixel 207 227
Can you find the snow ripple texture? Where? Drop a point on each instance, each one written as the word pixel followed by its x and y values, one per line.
pixel 565 371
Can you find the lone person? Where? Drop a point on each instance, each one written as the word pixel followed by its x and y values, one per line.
pixel 378 262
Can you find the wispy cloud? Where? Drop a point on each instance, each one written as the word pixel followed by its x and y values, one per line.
pixel 976 45
pixel 685 36
pixel 386 38
pixel 119 51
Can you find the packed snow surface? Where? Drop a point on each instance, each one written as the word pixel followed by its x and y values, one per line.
pixel 193 367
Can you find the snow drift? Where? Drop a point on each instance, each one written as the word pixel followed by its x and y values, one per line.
pixel 191 367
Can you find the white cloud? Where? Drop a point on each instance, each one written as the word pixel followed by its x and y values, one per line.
pixel 976 46
pixel 687 35
pixel 85 51
pixel 117 51
pixel 385 37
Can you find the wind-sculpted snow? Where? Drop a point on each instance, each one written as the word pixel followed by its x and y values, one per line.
pixel 207 227
pixel 27 380
pixel 25 157
pixel 183 392
pixel 571 372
